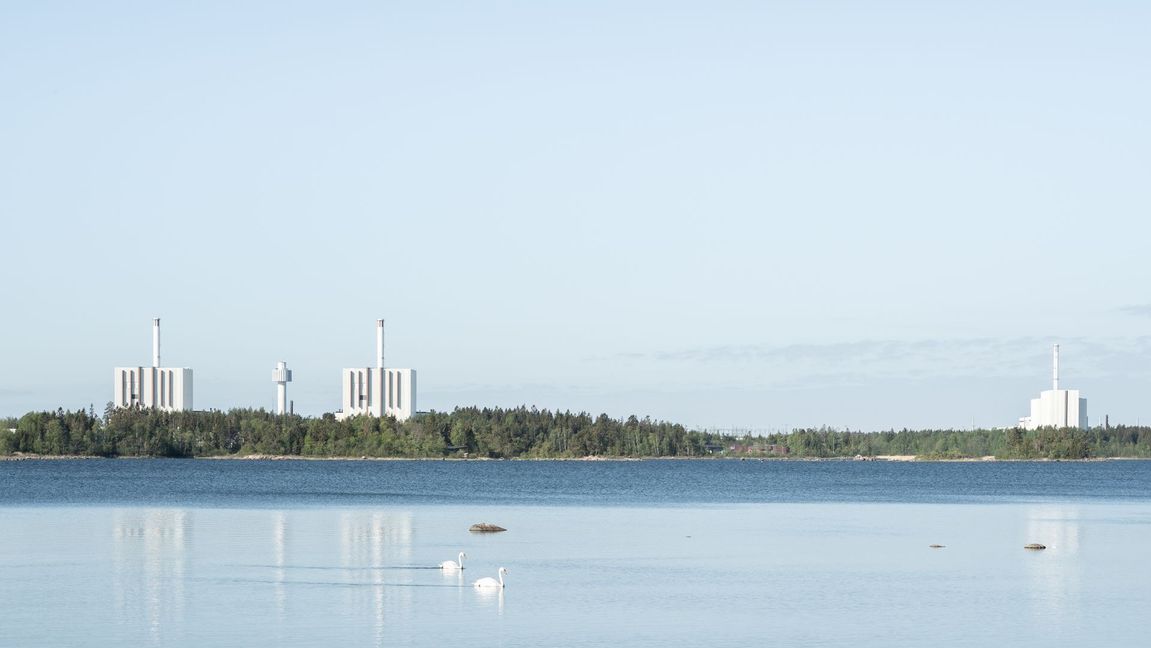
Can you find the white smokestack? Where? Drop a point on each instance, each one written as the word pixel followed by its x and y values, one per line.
pixel 380 344
pixel 1055 368
pixel 156 342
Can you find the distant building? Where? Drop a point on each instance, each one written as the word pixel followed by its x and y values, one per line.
pixel 282 375
pixel 1061 408
pixel 153 387
pixel 377 391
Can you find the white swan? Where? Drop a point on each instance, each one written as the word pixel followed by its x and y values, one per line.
pixel 491 582
pixel 451 564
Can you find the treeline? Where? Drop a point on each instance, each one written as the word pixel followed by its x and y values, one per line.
pixel 471 432
pixel 1014 443
pixel 516 433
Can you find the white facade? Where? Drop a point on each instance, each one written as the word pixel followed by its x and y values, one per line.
pixel 281 375
pixel 153 387
pixel 1060 408
pixel 377 391
pixel 165 388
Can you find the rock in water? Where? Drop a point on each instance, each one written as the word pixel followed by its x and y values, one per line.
pixel 1035 545
pixel 486 527
pixel 936 546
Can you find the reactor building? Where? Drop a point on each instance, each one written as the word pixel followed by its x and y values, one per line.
pixel 154 387
pixel 378 391
pixel 1060 408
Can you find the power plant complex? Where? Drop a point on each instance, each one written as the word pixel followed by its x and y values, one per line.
pixel 380 391
pixel 153 387
pixel 369 391
pixel 1060 408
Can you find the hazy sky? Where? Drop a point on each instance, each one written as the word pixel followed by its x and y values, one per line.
pixel 758 214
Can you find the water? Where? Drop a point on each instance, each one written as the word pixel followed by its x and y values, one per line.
pixel 294 484
pixel 702 553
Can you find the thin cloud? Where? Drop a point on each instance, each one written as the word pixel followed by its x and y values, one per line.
pixel 1136 310
pixel 839 352
pixel 963 357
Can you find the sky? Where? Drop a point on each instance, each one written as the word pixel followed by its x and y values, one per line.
pixel 730 214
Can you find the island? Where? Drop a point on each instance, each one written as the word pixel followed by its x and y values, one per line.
pixel 519 433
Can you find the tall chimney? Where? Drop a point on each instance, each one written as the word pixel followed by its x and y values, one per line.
pixel 156 342
pixel 380 344
pixel 1055 368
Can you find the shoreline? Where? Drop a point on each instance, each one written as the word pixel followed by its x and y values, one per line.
pixel 270 457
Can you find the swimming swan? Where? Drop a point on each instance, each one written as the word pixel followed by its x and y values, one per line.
pixel 491 582
pixel 451 564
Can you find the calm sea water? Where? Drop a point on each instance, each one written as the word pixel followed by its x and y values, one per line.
pixel 700 553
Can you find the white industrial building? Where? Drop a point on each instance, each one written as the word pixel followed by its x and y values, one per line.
pixel 154 387
pixel 1060 408
pixel 282 375
pixel 378 391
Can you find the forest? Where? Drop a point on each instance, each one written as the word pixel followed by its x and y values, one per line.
pixel 528 433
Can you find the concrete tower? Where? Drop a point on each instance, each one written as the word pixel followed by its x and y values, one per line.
pixel 281 375
pixel 156 342
pixel 379 344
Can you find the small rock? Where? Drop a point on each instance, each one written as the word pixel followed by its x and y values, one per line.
pixel 1035 545
pixel 486 527
pixel 936 546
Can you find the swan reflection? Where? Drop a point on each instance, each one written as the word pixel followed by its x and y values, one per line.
pixel 490 595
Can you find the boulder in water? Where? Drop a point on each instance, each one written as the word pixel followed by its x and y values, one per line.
pixel 1035 545
pixel 486 527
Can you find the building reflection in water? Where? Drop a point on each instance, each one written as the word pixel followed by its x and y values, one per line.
pixel 366 555
pixel 280 559
pixel 150 556
pixel 1054 573
pixel 370 542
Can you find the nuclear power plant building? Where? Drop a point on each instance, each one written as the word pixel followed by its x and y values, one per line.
pixel 378 391
pixel 154 387
pixel 1059 408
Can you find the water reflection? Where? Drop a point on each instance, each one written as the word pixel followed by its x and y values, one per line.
pixel 491 596
pixel 453 576
pixel 1054 573
pixel 368 541
pixel 1057 526
pixel 149 557
pixel 362 557
pixel 279 558
pixel 366 577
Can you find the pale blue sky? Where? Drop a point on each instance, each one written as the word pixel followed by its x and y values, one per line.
pixel 760 214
